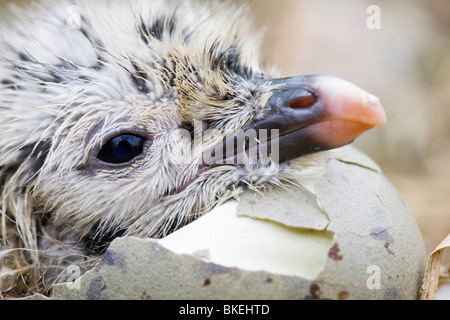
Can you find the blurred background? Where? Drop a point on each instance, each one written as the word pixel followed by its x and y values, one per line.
pixel 405 62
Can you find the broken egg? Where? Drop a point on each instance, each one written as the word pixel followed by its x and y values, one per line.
pixel 348 235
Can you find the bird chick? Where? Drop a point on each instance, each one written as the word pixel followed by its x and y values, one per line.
pixel 118 123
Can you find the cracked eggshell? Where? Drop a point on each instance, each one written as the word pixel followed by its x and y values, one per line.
pixel 347 236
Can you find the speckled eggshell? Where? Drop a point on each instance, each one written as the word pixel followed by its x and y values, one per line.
pixel 352 225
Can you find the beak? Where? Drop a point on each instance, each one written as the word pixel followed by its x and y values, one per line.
pixel 304 115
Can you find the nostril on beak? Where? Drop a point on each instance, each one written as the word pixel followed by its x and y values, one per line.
pixel 305 100
pixel 293 98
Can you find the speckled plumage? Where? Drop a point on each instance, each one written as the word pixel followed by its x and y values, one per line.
pixel 143 67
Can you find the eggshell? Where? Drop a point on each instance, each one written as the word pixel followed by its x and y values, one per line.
pixel 349 235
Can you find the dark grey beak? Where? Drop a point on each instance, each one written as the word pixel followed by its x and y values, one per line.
pixel 305 114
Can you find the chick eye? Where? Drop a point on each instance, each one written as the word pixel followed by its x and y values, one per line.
pixel 121 149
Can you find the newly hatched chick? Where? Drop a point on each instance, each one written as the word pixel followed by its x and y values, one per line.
pixel 114 124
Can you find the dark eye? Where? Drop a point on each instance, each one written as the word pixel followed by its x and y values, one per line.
pixel 121 149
